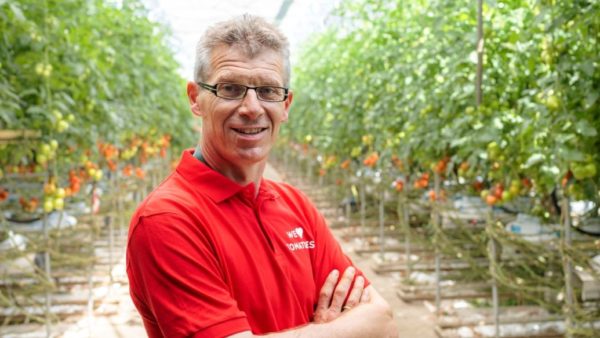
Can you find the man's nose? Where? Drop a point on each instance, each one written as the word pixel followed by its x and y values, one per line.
pixel 251 105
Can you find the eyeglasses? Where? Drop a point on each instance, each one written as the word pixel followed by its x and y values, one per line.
pixel 233 91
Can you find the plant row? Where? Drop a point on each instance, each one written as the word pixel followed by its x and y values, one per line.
pixel 391 87
pixel 86 87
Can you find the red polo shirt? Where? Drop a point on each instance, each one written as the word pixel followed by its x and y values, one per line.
pixel 207 259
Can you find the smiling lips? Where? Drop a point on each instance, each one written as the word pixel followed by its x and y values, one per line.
pixel 249 131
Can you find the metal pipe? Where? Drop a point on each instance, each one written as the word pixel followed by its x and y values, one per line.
pixel 479 50
pixel 363 203
pixel 568 267
pixel 381 223
pixel 48 272
pixel 436 223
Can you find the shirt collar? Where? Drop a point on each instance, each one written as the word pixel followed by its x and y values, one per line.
pixel 214 184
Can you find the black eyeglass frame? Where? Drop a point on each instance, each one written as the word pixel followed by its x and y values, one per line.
pixel 213 89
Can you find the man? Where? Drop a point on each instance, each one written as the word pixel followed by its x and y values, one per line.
pixel 218 251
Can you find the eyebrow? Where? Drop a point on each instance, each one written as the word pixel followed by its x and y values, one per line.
pixel 261 81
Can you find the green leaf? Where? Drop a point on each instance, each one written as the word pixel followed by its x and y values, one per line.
pixel 533 160
pixel 584 128
pixel 459 142
pixel 17 12
pixel 571 155
pixel 591 99
pixel 28 92
pixel 36 110
pixel 588 67
pixel 7 117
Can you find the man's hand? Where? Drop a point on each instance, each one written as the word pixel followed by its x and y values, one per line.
pixel 332 300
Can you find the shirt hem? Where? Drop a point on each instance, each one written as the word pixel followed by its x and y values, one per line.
pixel 224 329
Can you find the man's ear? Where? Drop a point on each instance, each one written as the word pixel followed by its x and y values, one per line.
pixel 192 93
pixel 286 106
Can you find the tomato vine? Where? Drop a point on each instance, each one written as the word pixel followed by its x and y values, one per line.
pixel 402 75
pixel 82 72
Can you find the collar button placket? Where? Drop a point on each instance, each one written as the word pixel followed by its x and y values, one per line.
pixel 258 202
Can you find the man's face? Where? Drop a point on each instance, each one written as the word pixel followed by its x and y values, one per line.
pixel 241 131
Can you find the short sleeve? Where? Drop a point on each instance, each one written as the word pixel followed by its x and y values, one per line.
pixel 176 281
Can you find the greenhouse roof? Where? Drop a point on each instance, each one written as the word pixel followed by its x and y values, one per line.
pixel 188 19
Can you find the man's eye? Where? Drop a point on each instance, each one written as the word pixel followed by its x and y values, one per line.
pixel 229 90
pixel 269 91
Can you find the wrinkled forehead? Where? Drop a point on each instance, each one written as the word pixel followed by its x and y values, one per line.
pixel 254 79
pixel 237 65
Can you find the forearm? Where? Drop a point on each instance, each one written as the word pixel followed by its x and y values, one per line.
pixel 357 323
pixel 372 319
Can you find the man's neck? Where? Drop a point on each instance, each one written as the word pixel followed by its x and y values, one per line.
pixel 242 175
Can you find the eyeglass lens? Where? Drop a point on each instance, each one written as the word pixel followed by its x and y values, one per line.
pixel 237 91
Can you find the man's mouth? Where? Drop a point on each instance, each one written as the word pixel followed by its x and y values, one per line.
pixel 249 131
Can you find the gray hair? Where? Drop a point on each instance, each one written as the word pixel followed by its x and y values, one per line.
pixel 249 33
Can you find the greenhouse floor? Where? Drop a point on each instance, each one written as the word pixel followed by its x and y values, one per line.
pixel 120 318
pixel 414 319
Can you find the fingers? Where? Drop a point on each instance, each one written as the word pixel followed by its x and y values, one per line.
pixel 342 289
pixel 356 293
pixel 336 297
pixel 327 290
pixel 365 297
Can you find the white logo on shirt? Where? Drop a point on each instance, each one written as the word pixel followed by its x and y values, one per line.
pixel 302 245
pixel 296 233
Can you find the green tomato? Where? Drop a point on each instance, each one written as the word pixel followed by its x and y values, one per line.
pixel 591 170
pixel 581 171
pixel 62 126
pixel 98 175
pixel 39 68
pixel 552 102
pixel 54 144
pixel 60 193
pixel 57 115
pixel 45 149
pixel 493 150
pixel 506 196
pixel 41 159
pixel 59 203
pixel 48 205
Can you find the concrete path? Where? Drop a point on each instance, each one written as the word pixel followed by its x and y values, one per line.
pixel 413 319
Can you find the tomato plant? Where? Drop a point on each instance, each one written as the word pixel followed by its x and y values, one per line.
pixel 83 71
pixel 96 83
pixel 397 79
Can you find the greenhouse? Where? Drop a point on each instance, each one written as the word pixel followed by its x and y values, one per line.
pixel 451 149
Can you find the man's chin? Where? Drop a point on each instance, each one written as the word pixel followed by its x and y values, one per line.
pixel 252 156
